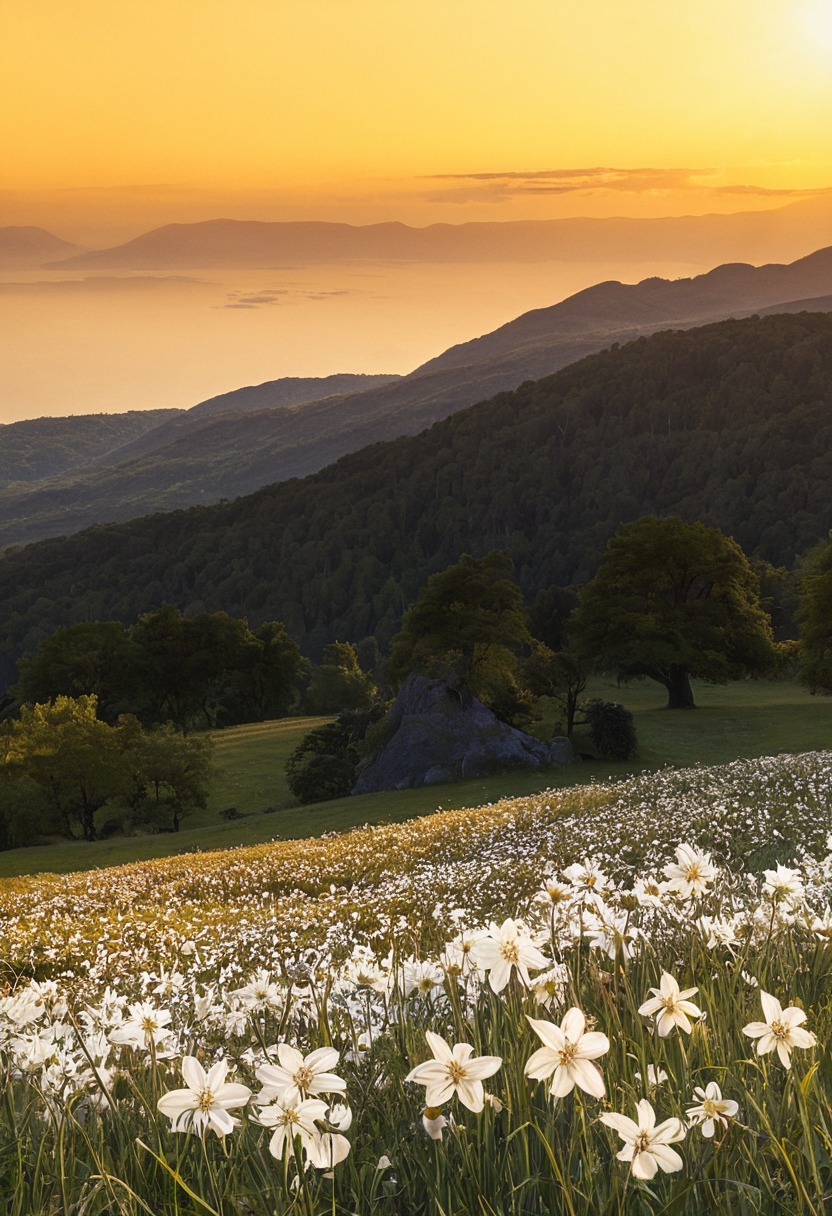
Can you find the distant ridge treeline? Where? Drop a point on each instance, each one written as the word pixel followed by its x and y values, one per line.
pixel 730 424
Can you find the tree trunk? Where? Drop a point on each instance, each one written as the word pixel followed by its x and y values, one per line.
pixel 679 691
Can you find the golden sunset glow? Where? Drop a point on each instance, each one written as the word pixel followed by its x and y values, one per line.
pixel 390 109
pixel 123 116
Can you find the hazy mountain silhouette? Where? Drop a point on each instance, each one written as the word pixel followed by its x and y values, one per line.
pixel 28 248
pixel 782 232
pixel 230 445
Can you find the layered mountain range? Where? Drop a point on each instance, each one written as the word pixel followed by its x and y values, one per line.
pixel 235 443
pixel 730 423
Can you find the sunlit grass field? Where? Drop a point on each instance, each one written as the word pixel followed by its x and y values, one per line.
pixel 747 719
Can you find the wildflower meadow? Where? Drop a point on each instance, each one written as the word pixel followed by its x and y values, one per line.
pixel 606 999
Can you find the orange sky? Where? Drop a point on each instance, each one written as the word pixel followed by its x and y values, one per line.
pixel 122 114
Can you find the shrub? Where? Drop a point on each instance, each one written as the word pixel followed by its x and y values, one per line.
pixel 612 729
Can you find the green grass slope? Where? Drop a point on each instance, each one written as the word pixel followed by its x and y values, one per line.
pixel 742 720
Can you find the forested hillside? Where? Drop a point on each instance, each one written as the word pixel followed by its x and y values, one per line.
pixel 256 436
pixel 730 424
pixel 42 447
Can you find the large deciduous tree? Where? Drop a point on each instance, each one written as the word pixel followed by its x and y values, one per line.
pixel 672 601
pixel 469 619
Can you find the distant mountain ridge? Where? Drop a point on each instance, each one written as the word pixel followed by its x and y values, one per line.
pixel 218 243
pixel 26 248
pixel 730 423
pixel 214 451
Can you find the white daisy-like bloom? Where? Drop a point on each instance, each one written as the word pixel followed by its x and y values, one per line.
pixel 457 956
pixel 549 987
pixel 671 1006
pixel 291 1120
pixel 782 1030
pixel 614 934
pixel 504 948
pixel 566 1054
pixel 259 993
pixel 298 1076
pixel 692 872
pixel 646 1145
pixel 587 880
pixel 552 894
pixel 422 977
pixel 206 1102
pixel 454 1070
pixel 783 886
pixel 145 1026
pixel 712 1109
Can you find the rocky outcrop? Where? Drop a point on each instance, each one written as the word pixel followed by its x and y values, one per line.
pixel 438 733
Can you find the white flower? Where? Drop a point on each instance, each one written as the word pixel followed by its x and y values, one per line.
pixel 692 872
pixel 299 1076
pixel 548 987
pixel 552 893
pixel 454 1071
pixel 458 954
pixel 671 1005
pixel 506 946
pixel 146 1025
pixel 783 885
pixel 331 1147
pixel 712 1109
pixel 259 993
pixel 291 1120
pixel 422 977
pixel 207 1100
pixel 566 1054
pixel 614 934
pixel 822 925
pixel 781 1031
pixel 646 1146
pixel 586 879
pixel 434 1122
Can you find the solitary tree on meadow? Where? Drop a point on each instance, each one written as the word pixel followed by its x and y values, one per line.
pixel 672 601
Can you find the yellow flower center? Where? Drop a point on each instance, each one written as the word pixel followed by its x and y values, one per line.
pixel 567 1053
pixel 642 1143
pixel 455 1071
pixel 510 952
pixel 779 1030
pixel 206 1099
pixel 304 1077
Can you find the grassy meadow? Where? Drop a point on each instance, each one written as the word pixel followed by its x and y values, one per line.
pixel 747 719
pixel 157 1016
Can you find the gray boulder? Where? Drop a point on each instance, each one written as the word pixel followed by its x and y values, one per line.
pixel 439 733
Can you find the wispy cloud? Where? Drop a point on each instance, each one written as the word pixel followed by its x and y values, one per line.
pixel 507 184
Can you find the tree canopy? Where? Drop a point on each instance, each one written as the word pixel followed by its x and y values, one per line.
pixel 203 670
pixel 470 620
pixel 815 620
pixel 673 601
pixel 60 765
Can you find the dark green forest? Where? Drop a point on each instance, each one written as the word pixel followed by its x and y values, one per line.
pixel 729 424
